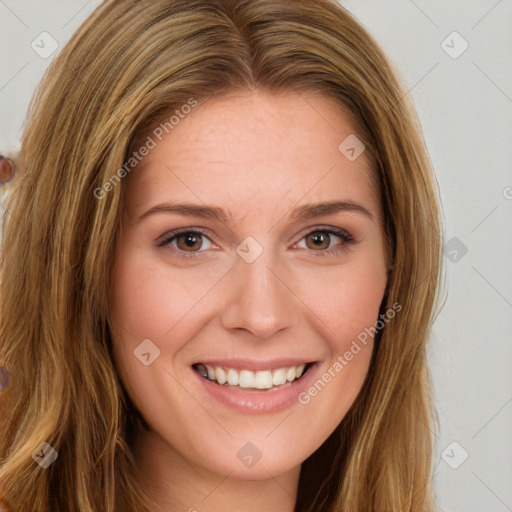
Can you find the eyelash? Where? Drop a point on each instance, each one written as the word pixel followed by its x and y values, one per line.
pixel 344 235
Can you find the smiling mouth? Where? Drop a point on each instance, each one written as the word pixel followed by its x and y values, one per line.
pixel 251 380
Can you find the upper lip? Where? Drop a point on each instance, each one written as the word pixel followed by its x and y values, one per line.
pixel 255 365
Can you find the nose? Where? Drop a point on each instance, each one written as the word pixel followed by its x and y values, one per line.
pixel 259 297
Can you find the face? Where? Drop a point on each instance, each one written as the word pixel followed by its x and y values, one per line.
pixel 247 283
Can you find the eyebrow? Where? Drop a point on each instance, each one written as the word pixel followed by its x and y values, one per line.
pixel 301 213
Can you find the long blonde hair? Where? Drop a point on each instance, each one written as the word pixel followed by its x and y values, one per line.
pixel 128 65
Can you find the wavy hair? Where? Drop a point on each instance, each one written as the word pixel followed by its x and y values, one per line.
pixel 131 63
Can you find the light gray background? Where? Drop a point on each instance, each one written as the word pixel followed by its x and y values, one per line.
pixel 465 107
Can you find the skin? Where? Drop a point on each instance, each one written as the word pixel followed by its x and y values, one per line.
pixel 258 156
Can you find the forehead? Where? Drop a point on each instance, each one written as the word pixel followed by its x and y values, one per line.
pixel 253 150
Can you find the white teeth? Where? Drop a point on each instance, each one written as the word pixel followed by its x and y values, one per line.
pixel 220 375
pixel 262 379
pixel 247 379
pixel 232 377
pixel 279 377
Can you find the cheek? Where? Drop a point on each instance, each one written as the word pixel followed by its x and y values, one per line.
pixel 150 301
pixel 347 299
pixel 148 304
pixel 146 301
pixel 143 307
pixel 348 311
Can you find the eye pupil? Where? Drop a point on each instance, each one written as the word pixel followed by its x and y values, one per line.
pixel 190 238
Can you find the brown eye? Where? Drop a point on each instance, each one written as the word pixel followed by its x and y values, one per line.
pixel 323 241
pixel 320 240
pixel 186 243
pixel 191 240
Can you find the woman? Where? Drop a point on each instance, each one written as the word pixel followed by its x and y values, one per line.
pixel 250 367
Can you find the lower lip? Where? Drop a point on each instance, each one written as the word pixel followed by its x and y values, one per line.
pixel 255 402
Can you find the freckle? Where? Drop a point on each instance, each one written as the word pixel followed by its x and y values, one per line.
pixel 7 170
pixel 4 378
